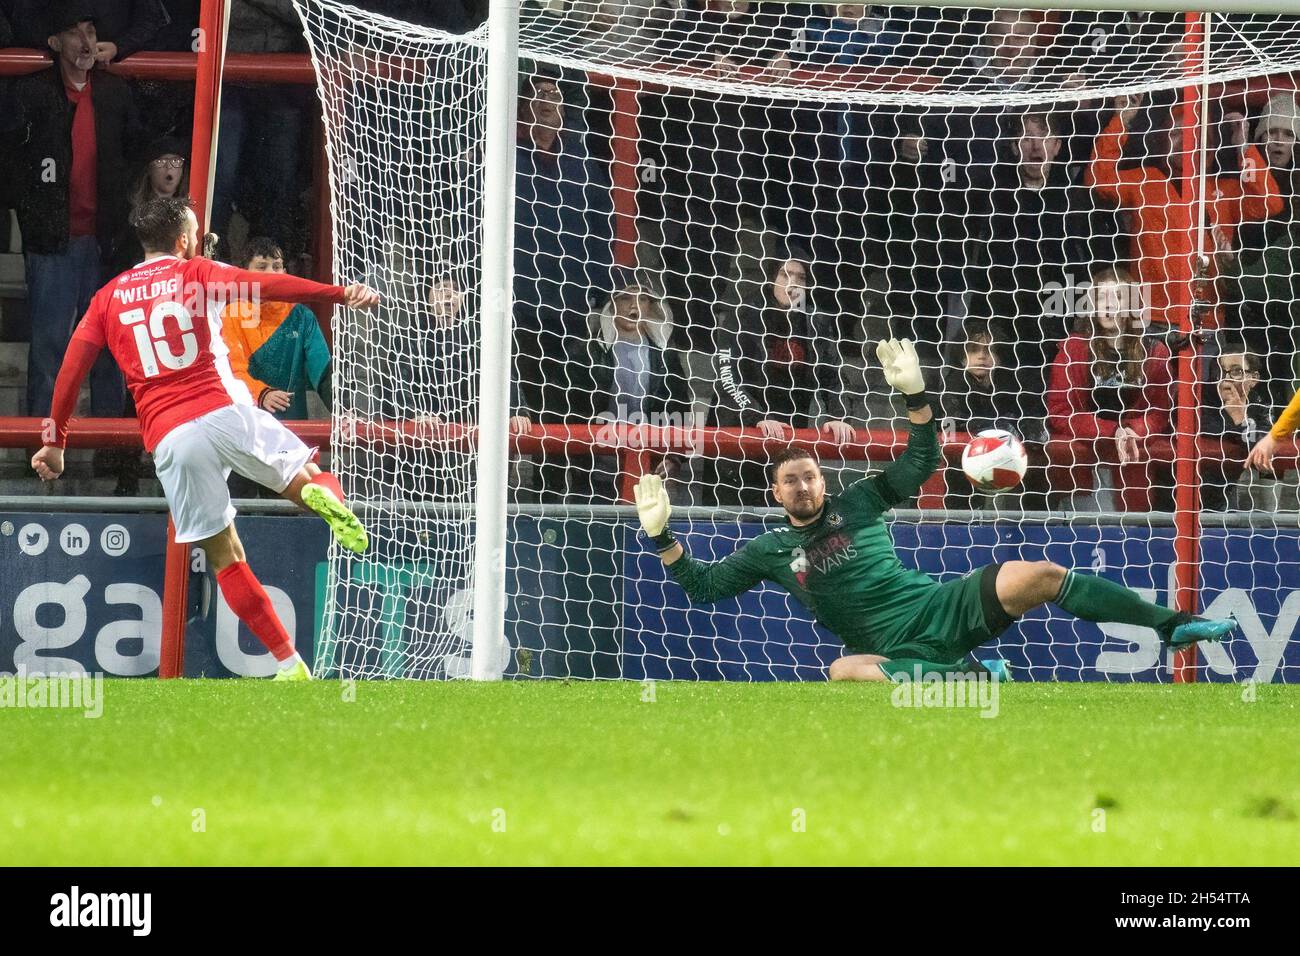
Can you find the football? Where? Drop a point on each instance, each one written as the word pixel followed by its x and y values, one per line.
pixel 994 460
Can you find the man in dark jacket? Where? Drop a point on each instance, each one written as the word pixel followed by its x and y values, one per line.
pixel 564 233
pixel 71 129
pixel 122 27
pixel 1036 234
pixel 564 237
pixel 263 132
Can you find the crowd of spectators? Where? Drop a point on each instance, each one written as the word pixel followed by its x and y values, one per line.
pixel 1040 254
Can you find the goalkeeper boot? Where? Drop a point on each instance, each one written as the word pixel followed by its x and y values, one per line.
pixel 998 669
pixel 347 527
pixel 296 671
pixel 1201 629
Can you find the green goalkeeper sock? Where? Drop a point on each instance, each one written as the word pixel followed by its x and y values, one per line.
pixel 915 668
pixel 1096 599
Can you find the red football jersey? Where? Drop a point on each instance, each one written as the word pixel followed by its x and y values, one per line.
pixel 161 320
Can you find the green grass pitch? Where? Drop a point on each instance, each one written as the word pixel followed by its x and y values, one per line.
pixel 247 772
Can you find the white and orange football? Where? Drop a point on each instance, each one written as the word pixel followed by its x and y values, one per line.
pixel 994 460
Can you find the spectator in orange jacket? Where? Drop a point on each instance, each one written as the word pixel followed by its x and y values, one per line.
pixel 1110 396
pixel 276 348
pixel 1138 166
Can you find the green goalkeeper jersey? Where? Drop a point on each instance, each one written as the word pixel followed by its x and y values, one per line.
pixel 842 567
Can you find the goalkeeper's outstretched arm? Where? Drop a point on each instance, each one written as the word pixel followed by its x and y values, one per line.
pixel 703 581
pixel 903 478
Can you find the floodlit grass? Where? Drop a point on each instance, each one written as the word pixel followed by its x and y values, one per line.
pixel 247 772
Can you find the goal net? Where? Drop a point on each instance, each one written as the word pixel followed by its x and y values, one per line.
pixel 1086 221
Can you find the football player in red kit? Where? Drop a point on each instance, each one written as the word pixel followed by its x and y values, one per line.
pixel 161 320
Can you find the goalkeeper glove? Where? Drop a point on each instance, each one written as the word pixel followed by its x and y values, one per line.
pixel 653 508
pixel 903 370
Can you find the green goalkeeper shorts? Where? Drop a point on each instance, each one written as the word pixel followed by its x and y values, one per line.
pixel 956 618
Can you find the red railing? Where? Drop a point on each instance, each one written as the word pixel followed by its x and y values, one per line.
pixel 627 442
pixel 636 447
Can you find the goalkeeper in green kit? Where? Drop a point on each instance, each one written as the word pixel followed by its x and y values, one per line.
pixel 834 554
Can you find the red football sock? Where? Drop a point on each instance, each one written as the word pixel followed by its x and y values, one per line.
pixel 249 600
pixel 327 480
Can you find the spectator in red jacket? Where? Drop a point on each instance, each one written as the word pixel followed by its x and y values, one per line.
pixel 1137 165
pixel 1110 396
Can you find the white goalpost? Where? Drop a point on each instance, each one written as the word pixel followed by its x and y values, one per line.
pixel 488 639
pixel 620 237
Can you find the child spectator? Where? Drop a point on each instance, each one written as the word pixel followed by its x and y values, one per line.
pixel 1265 290
pixel 449 359
pixel 276 348
pixel 1277 132
pixel 1110 396
pixel 981 393
pixel 1135 166
pixel 1237 416
pixel 437 387
pixel 166 172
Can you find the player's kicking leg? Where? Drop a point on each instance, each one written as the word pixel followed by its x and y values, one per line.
pixel 250 602
pixel 256 444
pixel 192 462
pixel 1024 585
pixel 320 491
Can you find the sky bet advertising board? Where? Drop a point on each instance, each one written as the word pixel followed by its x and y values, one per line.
pixel 83 592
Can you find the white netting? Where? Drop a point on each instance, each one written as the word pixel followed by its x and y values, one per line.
pixel 404 111
pixel 719 211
